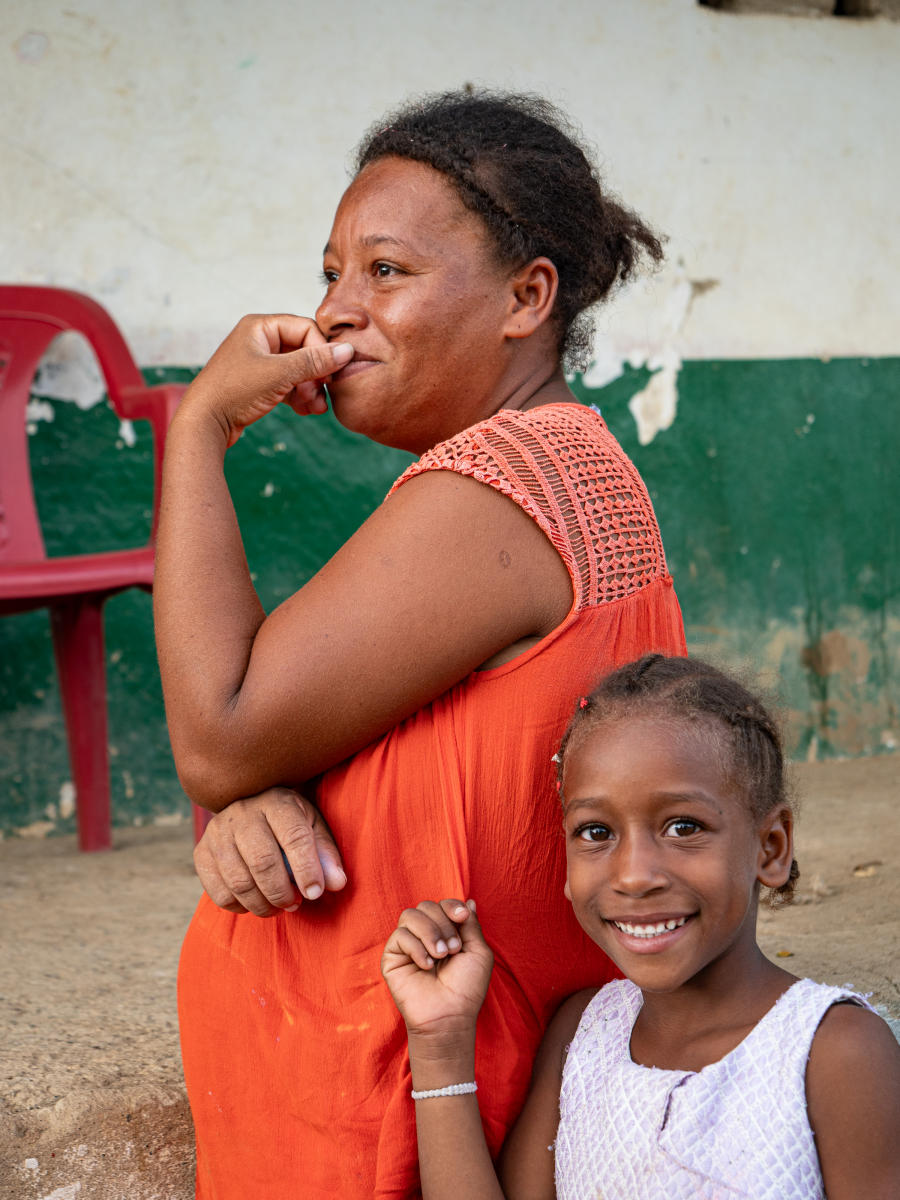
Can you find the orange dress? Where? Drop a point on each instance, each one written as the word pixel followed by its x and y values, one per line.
pixel 294 1055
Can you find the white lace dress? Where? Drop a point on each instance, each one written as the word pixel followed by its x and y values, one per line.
pixel 736 1128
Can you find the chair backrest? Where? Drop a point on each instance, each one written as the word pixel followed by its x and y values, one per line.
pixel 30 318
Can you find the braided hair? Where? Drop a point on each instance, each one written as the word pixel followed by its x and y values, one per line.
pixel 691 689
pixel 517 162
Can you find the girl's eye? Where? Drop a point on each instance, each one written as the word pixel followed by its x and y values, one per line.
pixel 682 827
pixel 593 833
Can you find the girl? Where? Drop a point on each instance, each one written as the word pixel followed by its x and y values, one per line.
pixel 708 1071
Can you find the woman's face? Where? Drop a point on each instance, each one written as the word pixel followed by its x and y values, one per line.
pixel 414 287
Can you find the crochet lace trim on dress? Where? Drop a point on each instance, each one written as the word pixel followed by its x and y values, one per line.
pixel 561 465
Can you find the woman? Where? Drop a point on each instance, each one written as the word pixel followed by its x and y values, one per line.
pixel 408 684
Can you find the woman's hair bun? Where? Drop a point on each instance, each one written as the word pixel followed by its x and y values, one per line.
pixel 518 162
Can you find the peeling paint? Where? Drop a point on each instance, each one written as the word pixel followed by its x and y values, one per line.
pixel 127 436
pixel 174 818
pixel 606 366
pixel 654 407
pixel 69 371
pixel 38 410
pixel 838 652
pixel 37 829
pixel 67 799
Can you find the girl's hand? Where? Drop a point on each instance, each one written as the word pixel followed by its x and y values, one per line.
pixel 437 966
pixel 265 361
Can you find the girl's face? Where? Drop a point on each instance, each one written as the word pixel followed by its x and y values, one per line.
pixel 413 285
pixel 664 856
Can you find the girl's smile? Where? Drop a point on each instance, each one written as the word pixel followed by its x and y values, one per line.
pixel 648 935
pixel 663 851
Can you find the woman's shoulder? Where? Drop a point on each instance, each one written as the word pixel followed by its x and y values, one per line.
pixel 485 448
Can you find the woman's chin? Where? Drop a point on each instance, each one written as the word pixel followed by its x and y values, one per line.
pixel 359 414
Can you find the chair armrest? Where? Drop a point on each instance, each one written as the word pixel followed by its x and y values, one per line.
pixel 157 405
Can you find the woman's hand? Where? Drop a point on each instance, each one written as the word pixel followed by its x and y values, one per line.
pixel 265 361
pixel 437 966
pixel 240 862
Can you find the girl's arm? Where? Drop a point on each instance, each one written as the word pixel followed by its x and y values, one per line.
pixel 437 966
pixel 444 575
pixel 853 1102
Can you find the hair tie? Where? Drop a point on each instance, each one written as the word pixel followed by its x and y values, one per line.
pixel 583 702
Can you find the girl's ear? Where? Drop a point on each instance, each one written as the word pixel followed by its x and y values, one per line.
pixel 776 847
pixel 534 287
pixel 567 891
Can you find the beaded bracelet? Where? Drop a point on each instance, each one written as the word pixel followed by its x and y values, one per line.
pixel 452 1089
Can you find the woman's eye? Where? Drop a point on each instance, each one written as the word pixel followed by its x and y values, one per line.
pixel 383 270
pixel 328 276
pixel 593 833
pixel 682 827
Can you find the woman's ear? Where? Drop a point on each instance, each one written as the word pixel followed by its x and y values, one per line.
pixel 776 847
pixel 533 295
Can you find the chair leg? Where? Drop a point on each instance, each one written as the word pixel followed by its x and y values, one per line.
pixel 78 643
pixel 202 817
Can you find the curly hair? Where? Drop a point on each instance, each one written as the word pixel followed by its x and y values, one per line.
pixel 516 161
pixel 691 689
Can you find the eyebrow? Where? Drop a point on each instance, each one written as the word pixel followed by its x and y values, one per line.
pixel 665 797
pixel 375 239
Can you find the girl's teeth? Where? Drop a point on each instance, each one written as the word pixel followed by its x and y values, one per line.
pixel 647 931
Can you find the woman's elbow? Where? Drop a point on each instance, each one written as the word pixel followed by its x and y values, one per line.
pixel 208 780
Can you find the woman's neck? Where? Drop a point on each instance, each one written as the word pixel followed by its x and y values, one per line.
pixel 549 387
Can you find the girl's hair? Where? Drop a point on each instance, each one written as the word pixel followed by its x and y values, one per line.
pixel 688 688
pixel 517 162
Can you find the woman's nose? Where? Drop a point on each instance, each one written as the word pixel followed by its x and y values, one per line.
pixel 637 868
pixel 341 309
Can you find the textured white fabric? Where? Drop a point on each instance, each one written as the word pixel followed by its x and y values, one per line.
pixel 736 1128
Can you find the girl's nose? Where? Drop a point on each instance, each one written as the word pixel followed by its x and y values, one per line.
pixel 637 868
pixel 341 310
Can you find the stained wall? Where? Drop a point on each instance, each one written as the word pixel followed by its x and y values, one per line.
pixel 180 163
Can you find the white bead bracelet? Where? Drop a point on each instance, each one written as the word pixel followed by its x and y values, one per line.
pixel 452 1089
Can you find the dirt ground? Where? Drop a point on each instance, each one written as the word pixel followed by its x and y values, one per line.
pixel 90 1080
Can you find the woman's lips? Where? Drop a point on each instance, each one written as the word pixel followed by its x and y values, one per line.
pixel 354 367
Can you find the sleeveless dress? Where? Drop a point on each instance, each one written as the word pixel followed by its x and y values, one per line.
pixel 294 1054
pixel 738 1128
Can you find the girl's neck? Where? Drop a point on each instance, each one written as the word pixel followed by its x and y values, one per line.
pixel 706 1018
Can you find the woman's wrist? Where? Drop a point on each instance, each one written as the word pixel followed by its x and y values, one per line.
pixel 195 417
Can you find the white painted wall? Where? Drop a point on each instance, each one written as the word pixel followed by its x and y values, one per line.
pixel 180 160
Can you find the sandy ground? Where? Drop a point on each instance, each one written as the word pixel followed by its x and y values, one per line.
pixel 90 1079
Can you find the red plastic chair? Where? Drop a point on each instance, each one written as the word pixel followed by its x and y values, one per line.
pixel 73 588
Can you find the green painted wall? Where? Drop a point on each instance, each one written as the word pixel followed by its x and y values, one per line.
pixel 776 489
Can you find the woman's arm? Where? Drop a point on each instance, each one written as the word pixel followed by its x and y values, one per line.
pixel 441 577
pixel 853 1102
pixel 437 966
